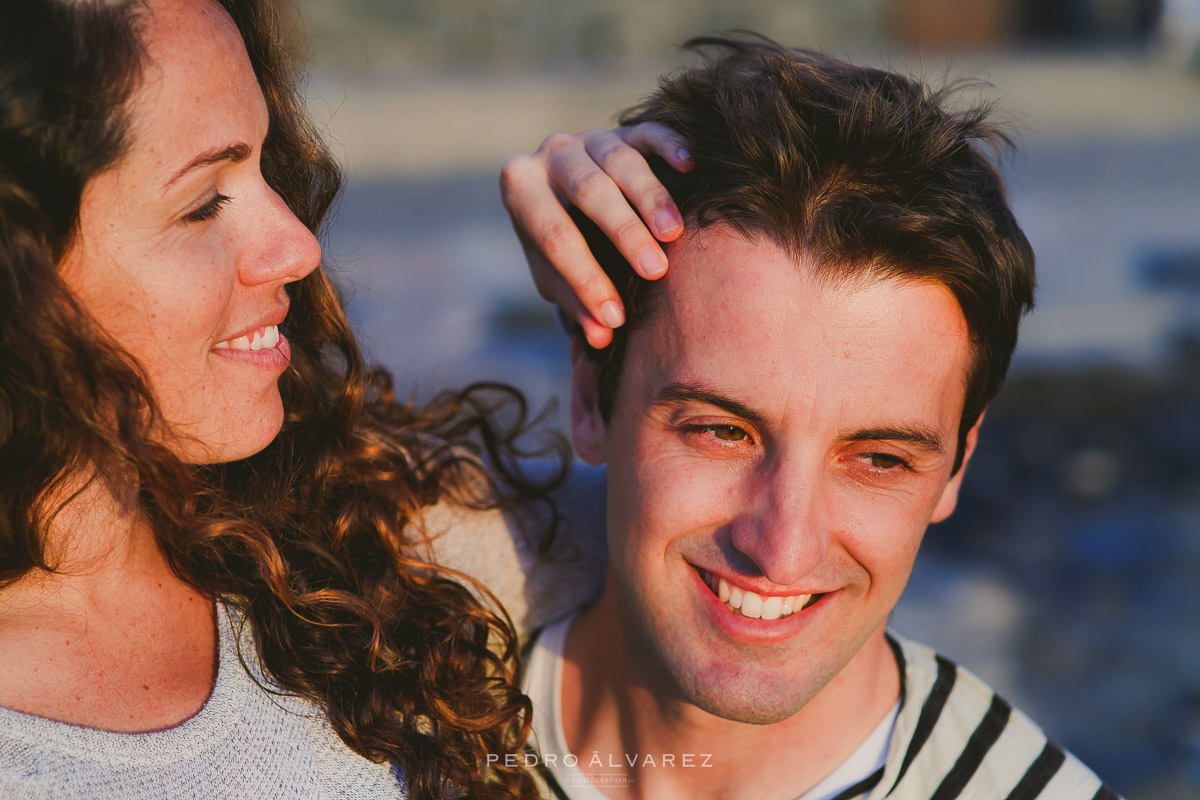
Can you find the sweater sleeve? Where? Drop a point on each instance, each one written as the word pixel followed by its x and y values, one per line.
pixel 502 550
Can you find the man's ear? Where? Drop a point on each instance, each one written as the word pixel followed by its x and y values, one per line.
pixel 587 426
pixel 949 498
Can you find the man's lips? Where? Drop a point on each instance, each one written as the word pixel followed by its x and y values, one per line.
pixel 743 600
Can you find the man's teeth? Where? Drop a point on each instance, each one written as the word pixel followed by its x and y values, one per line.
pixel 261 339
pixel 753 605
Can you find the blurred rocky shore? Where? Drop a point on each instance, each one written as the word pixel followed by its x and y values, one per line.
pixel 1071 570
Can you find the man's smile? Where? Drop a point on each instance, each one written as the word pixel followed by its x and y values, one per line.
pixel 748 603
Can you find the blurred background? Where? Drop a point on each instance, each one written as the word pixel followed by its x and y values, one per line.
pixel 1069 577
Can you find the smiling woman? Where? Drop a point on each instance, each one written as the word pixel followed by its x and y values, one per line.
pixel 189 193
pixel 189 436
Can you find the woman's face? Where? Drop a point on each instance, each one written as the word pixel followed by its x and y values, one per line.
pixel 183 250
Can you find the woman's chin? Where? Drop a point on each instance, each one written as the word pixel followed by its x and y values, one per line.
pixel 239 435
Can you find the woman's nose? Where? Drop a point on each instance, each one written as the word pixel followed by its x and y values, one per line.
pixel 277 246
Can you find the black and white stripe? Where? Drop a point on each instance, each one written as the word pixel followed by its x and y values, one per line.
pixel 956 739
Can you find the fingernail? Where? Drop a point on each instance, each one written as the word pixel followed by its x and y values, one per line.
pixel 611 314
pixel 667 221
pixel 653 262
pixel 683 155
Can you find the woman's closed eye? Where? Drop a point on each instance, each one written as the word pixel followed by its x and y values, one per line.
pixel 208 210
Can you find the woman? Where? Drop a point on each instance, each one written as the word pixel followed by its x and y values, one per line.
pixel 195 460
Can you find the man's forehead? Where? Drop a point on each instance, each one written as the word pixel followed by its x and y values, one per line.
pixel 744 311
pixel 720 269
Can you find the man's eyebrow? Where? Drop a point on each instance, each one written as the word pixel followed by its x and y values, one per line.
pixel 678 394
pixel 234 153
pixel 923 438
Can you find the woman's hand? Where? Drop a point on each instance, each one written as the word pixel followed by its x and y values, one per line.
pixel 601 173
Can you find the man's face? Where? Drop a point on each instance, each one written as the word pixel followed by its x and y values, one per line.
pixel 788 438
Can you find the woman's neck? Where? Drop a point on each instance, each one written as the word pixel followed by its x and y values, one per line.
pixel 93 536
pixel 94 526
pixel 111 637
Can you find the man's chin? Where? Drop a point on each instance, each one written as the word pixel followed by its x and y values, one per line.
pixel 745 702
pixel 751 696
pixel 729 683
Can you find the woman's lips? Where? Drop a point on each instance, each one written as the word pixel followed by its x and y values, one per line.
pixel 264 347
pixel 263 338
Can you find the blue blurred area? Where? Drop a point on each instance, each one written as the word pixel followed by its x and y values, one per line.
pixel 1084 497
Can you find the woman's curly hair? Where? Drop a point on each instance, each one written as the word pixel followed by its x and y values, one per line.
pixel 317 539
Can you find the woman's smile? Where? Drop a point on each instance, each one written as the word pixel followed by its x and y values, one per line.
pixel 196 293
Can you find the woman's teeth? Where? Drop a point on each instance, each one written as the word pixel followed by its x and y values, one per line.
pixel 753 605
pixel 261 339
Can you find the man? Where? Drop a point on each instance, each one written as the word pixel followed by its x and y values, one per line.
pixel 781 417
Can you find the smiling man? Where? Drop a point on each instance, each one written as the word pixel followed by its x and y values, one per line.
pixel 781 418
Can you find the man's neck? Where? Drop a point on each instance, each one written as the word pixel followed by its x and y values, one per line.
pixel 622 711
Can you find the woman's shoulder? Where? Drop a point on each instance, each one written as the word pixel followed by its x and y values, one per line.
pixel 506 551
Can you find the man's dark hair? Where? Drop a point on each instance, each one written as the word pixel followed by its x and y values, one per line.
pixel 860 171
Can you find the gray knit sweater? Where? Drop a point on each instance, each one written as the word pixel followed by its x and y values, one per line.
pixel 250 742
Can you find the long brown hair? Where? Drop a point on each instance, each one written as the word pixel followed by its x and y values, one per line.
pixel 316 539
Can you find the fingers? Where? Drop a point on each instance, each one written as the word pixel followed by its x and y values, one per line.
pixel 651 137
pixel 628 173
pixel 551 286
pixel 596 172
pixel 563 268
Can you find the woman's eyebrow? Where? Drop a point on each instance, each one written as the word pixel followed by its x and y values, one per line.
pixel 239 151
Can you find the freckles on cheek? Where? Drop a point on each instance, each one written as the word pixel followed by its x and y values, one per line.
pixel 193 280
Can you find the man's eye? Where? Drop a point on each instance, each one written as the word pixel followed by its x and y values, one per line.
pixel 722 433
pixel 728 433
pixel 885 461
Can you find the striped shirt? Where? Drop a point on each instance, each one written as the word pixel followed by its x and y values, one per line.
pixel 953 739
pixel 956 739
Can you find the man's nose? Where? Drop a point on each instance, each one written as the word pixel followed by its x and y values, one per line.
pixel 784 530
pixel 276 245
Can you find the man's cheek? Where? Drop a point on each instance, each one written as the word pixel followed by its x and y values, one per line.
pixel 874 521
pixel 700 484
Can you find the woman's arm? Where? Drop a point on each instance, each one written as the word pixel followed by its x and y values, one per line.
pixel 500 550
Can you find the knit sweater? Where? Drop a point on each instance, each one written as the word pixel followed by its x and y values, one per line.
pixel 249 740
pixel 244 742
